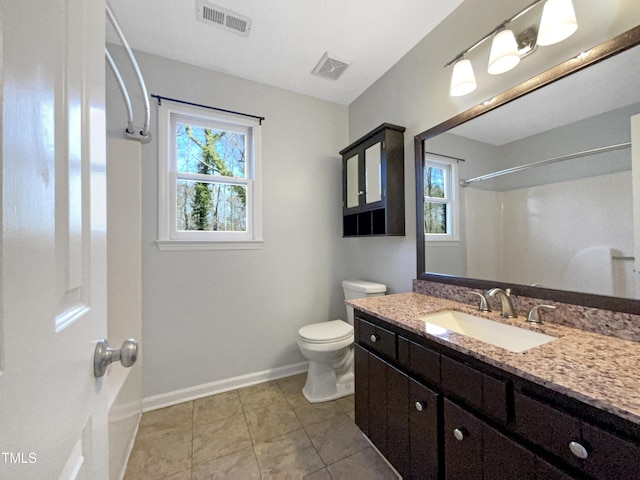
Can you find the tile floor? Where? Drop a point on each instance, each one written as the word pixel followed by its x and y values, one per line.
pixel 266 431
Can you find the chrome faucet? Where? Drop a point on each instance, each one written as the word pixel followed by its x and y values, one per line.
pixel 505 301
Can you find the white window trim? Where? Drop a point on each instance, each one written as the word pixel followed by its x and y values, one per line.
pixel 454 212
pixel 171 239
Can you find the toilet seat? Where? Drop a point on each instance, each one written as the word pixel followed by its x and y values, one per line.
pixel 326 332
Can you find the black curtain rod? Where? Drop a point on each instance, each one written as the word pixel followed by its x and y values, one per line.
pixel 160 98
pixel 446 156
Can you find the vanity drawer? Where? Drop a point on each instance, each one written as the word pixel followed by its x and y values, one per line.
pixel 489 394
pixel 462 381
pixel 546 427
pixel 608 456
pixel 378 339
pixel 422 362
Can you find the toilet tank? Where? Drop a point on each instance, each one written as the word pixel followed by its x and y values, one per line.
pixel 360 289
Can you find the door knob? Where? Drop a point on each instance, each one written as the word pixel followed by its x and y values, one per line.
pixel 104 356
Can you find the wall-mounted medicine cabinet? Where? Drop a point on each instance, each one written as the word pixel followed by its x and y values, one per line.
pixel 373 183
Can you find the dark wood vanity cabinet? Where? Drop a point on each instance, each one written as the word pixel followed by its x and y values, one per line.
pixel 373 183
pixel 398 414
pixel 438 414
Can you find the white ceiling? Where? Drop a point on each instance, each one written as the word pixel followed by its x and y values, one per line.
pixel 287 39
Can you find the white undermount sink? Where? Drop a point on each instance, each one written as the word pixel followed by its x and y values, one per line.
pixel 499 334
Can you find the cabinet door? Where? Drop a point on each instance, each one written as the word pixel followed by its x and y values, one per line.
pixel 361 370
pixel 378 403
pixel 398 420
pixel 504 459
pixel 462 444
pixel 373 174
pixel 352 182
pixel 423 432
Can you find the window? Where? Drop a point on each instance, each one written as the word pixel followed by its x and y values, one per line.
pixel 209 179
pixel 440 208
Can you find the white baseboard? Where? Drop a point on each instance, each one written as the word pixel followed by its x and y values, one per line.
pixel 186 394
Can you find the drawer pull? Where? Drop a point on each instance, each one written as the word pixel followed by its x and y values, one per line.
pixel 420 406
pixel 374 339
pixel 458 433
pixel 578 450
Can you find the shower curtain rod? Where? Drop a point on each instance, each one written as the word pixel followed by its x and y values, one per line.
pixel 123 89
pixel 143 136
pixel 593 151
pixel 160 98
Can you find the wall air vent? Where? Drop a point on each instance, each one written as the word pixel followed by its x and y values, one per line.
pixel 329 67
pixel 223 18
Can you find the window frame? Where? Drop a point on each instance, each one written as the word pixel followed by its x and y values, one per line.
pixel 450 197
pixel 169 237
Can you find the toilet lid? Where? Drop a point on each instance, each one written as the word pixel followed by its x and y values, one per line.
pixel 325 332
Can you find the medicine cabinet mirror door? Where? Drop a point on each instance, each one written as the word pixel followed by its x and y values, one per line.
pixel 364 178
pixel 373 174
pixel 353 182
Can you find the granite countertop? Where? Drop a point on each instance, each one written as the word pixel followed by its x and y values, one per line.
pixel 598 370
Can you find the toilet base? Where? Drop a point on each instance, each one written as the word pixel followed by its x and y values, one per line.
pixel 324 385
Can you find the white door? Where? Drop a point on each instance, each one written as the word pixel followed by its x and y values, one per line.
pixel 53 271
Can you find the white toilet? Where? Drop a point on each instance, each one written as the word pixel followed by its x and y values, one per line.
pixel 329 348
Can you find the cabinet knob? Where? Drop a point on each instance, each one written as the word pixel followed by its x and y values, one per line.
pixel 360 192
pixel 578 450
pixel 374 339
pixel 420 406
pixel 458 433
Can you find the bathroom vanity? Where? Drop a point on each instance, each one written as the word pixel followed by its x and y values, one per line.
pixel 441 405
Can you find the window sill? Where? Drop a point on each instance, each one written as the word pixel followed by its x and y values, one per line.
pixel 445 242
pixel 176 245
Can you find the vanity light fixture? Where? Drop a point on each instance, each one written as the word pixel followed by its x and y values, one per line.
pixel 507 49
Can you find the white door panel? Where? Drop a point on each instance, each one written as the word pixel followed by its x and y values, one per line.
pixel 53 288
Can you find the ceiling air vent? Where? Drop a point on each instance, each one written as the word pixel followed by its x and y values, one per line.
pixel 223 18
pixel 329 67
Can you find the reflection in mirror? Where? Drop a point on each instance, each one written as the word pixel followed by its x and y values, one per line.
pixel 549 193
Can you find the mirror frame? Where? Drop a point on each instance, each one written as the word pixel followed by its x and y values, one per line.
pixel 607 49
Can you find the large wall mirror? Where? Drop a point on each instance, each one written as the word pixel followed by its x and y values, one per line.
pixel 548 203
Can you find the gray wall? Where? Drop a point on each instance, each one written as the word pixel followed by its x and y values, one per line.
pixel 415 93
pixel 214 315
